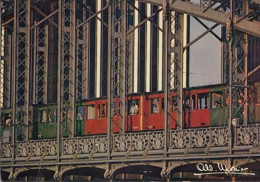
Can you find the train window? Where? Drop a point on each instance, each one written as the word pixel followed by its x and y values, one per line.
pixel 203 101
pixel 6 120
pixel 133 107
pixel 187 102
pixel 44 116
pixel 91 111
pixel 81 113
pixel 101 111
pixel 162 104
pixel 217 100
pixel 52 116
pixel 155 105
pixel 193 102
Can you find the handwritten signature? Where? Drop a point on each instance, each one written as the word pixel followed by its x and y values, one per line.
pixel 206 169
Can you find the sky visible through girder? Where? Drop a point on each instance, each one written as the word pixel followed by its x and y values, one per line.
pixel 205 54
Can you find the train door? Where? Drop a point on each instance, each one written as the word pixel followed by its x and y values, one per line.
pixel 155 118
pixel 90 119
pixel 134 122
pixel 80 120
pixel 193 120
pixel 218 109
pixel 101 122
pixel 187 110
pixel 201 113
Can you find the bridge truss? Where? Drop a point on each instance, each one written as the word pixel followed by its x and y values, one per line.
pixel 24 78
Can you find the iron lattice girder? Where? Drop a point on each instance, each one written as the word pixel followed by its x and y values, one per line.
pixel 211 15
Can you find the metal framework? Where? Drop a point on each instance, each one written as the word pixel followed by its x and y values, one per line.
pixel 26 56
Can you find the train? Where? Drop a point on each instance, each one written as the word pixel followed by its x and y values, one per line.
pixel 205 106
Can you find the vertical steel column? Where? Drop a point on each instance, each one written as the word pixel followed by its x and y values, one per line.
pixel 109 82
pixel 60 79
pixel 119 56
pixel 41 64
pixel 82 51
pixel 122 61
pixel 67 53
pixel 176 62
pixel 166 46
pixel 73 66
pixel 21 87
pixel 2 62
pixel 245 48
pixel 28 67
pixel 8 68
pixel 14 79
pixel 230 48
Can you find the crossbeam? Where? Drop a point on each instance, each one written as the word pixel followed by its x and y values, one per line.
pixel 211 15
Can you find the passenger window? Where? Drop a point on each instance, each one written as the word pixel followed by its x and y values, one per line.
pixel 133 107
pixel 81 113
pixel 52 116
pixel 193 102
pixel 203 101
pixel 187 102
pixel 155 105
pixel 217 99
pixel 101 111
pixel 44 117
pixel 7 120
pixel 162 104
pixel 91 111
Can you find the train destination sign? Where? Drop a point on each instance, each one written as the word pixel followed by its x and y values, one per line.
pixel 215 169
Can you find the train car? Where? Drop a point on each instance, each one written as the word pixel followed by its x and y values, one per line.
pixel 7 124
pixel 91 117
pixel 46 120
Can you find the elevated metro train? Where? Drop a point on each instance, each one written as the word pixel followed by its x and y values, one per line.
pixel 203 107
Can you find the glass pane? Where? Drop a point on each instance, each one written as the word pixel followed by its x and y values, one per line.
pixel 133 107
pixel 155 105
pixel 203 101
pixel 81 113
pixel 44 117
pixel 217 99
pixel 91 111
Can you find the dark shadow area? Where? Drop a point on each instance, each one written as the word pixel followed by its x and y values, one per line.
pixel 137 173
pixel 36 175
pixel 84 174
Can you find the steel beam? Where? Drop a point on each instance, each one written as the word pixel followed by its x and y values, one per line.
pixel 211 15
pixel 166 52
pixel 110 112
pixel 60 94
pixel 28 67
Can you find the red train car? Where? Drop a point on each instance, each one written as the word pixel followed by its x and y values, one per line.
pixel 145 111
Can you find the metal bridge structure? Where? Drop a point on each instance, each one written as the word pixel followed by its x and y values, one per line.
pixel 29 49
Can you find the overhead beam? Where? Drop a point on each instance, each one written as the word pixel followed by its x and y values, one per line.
pixel 211 15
